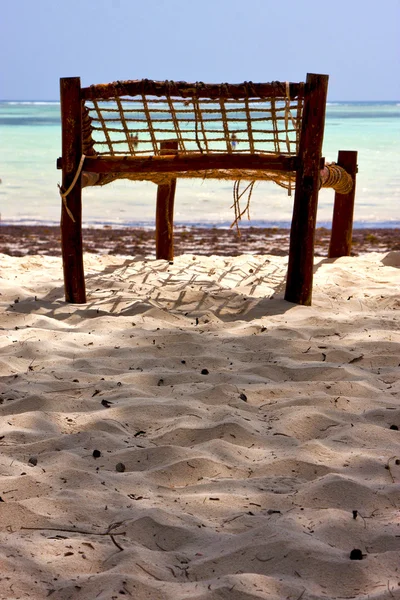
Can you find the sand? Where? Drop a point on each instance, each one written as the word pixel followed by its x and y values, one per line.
pixel 189 435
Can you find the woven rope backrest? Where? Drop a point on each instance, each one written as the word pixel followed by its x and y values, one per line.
pixel 133 118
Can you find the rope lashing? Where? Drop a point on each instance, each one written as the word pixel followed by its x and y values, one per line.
pixel 250 89
pixel 88 142
pixel 71 187
pixel 287 115
pixel 197 115
pixel 237 195
pixel 333 176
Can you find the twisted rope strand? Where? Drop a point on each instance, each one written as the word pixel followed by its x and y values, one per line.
pixel 71 187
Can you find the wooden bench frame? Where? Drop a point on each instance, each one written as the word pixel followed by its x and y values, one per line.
pixel 307 164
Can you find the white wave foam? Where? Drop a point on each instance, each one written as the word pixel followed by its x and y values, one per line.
pixel 33 103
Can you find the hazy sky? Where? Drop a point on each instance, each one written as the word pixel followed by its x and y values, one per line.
pixel 356 42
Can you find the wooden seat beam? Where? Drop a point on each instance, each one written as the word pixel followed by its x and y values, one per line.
pixel 188 162
pixel 184 89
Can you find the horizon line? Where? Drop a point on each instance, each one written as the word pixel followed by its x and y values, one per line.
pixel 58 100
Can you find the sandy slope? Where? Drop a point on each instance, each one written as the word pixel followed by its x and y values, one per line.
pixel 237 433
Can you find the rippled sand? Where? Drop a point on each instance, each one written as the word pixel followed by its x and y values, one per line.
pixel 189 435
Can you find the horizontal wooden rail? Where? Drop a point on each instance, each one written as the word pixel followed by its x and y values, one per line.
pixel 187 162
pixel 183 89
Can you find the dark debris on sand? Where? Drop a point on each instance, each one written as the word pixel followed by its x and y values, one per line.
pixel 20 240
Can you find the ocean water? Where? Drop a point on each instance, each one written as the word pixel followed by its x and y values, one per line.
pixel 30 142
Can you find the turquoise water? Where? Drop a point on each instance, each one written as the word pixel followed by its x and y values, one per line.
pixel 30 142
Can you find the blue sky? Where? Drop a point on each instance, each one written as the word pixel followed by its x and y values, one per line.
pixel 356 42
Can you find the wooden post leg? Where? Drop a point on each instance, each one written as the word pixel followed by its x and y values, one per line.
pixel 302 232
pixel 71 210
pixel 342 223
pixel 165 211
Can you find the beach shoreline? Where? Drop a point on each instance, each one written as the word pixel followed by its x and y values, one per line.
pixel 21 240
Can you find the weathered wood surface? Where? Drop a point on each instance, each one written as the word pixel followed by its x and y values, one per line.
pixel 71 231
pixel 186 90
pixel 187 162
pixel 165 211
pixel 301 251
pixel 307 165
pixel 342 223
